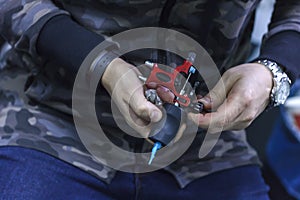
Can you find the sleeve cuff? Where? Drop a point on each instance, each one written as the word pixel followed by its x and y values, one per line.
pixel 65 42
pixel 283 48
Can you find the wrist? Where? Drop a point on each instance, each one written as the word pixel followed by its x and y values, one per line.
pixel 281 82
pixel 99 66
pixel 110 71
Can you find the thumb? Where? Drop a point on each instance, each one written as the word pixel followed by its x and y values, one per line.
pixel 145 109
pixel 154 112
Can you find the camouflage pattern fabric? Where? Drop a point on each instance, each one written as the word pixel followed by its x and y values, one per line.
pixel 35 95
pixel 29 125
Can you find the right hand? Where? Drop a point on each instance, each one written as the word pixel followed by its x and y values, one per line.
pixel 168 96
pixel 121 80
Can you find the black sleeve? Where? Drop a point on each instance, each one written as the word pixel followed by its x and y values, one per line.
pixel 284 49
pixel 65 42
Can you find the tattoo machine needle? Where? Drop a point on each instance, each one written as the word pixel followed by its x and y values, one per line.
pixel 155 148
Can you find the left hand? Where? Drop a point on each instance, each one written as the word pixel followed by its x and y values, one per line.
pixel 244 95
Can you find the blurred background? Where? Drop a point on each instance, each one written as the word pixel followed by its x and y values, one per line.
pixel 259 132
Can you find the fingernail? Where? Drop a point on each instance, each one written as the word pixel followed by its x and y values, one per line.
pixel 164 89
pixel 199 96
pixel 151 84
pixel 155 116
pixel 205 100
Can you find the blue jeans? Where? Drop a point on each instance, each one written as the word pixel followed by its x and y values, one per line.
pixel 30 174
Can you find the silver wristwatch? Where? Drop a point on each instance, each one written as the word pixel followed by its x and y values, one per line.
pixel 281 83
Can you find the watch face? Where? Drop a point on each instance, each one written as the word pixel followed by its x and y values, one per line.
pixel 283 91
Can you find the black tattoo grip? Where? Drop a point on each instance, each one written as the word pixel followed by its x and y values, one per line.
pixel 165 133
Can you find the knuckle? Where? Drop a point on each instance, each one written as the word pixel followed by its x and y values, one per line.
pixel 247 98
pixel 244 125
pixel 249 118
pixel 228 73
pixel 141 110
pixel 220 124
pixel 249 94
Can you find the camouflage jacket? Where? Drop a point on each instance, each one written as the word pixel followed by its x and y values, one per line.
pixel 35 98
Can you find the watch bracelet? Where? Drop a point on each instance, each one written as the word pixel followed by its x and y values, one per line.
pixel 278 74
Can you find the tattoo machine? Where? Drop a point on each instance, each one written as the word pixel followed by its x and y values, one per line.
pixel 176 80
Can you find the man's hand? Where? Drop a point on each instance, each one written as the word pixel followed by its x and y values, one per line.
pixel 246 95
pixel 120 79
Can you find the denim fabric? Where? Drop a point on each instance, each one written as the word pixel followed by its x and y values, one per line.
pixel 30 174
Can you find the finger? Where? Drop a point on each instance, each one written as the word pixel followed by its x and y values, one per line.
pixel 137 119
pixel 199 96
pixel 247 117
pixel 225 116
pixel 242 107
pixel 152 85
pixel 143 108
pixel 180 132
pixel 143 127
pixel 217 95
pixel 206 102
pixel 165 94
